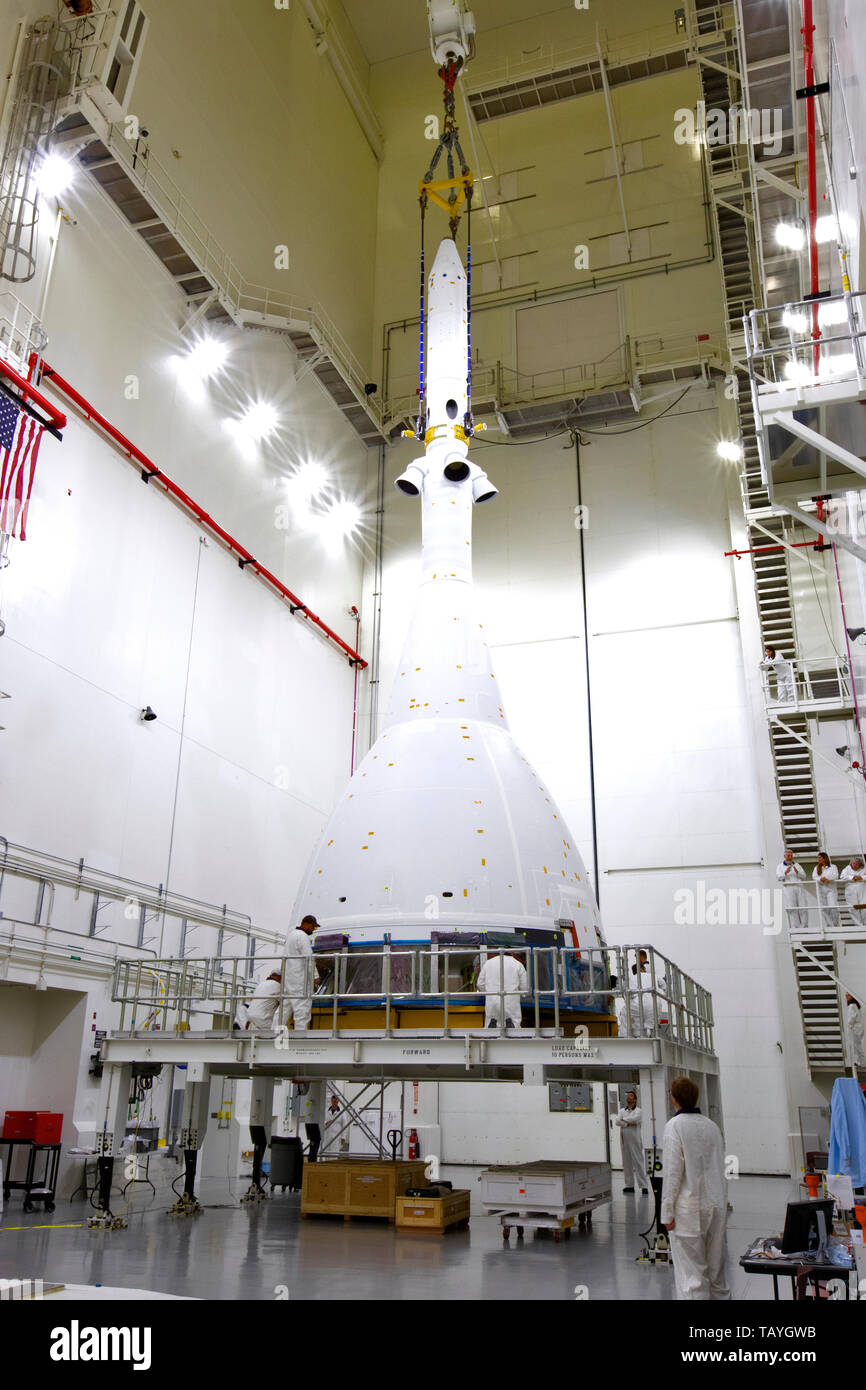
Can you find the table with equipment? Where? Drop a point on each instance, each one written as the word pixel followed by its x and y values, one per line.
pixel 793 1268
pixel 805 1251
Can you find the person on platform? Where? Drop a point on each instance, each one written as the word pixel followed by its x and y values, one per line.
pixel 792 876
pixel 301 975
pixel 502 979
pixel 784 669
pixel 826 877
pixel 854 878
pixel 257 1014
pixel 854 1025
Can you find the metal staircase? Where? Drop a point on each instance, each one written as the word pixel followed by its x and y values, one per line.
pixel 819 1006
pixel 132 178
pixel 795 786
pixel 736 215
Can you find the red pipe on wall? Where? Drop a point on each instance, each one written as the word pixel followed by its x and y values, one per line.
pixel 245 559
pixel 808 32
pixel 29 392
pixel 762 549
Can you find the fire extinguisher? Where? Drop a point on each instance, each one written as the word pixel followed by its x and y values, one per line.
pixel 414 1145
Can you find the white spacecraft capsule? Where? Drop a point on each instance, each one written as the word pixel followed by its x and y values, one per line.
pixel 446 832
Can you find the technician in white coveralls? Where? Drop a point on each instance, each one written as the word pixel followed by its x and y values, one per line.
pixel 774 660
pixel 502 974
pixel 792 876
pixel 854 1024
pixel 300 973
pixel 694 1197
pixel 854 878
pixel 826 877
pixel 629 1121
pixel 257 1014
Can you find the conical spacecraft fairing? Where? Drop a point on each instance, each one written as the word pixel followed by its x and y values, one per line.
pixel 445 826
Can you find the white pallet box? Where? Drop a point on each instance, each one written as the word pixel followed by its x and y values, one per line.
pixel 549 1187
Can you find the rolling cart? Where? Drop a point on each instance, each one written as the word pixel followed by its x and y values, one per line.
pixel 560 1223
pixel 35 1190
pixel 545 1196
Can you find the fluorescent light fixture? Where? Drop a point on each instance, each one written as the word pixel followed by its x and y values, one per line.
pixel 831 312
pixel 790 235
pixel 798 323
pixel 729 450
pixel 54 175
pixel 826 229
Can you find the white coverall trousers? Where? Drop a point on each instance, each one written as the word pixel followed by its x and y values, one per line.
pixel 699 1261
pixel 632 1157
pixel 299 1009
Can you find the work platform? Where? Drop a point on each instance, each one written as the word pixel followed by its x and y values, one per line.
pixel 620 1014
pixel 590 1014
pixel 419 1056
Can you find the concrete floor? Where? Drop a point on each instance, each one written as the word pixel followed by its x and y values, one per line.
pixel 267 1251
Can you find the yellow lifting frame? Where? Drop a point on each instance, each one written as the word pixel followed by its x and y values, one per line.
pixel 433 189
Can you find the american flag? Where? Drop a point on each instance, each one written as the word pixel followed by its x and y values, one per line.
pixel 19 446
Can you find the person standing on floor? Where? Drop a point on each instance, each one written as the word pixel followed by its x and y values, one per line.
pixel 694 1197
pixel 630 1125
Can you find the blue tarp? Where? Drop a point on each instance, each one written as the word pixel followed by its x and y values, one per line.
pixel 848 1131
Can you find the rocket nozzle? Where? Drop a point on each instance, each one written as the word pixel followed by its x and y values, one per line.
pixel 409 482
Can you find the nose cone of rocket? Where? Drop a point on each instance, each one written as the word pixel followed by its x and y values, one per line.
pixel 448 260
pixel 447 345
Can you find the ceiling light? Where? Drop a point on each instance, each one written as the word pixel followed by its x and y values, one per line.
pixel 729 450
pixel 54 175
pixel 798 323
pixel 797 372
pixel 790 235
pixel 826 229
pixel 831 312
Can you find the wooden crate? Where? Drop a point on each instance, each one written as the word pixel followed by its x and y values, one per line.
pixel 433 1213
pixel 357 1186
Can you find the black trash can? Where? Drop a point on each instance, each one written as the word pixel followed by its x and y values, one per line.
pixel 287 1163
